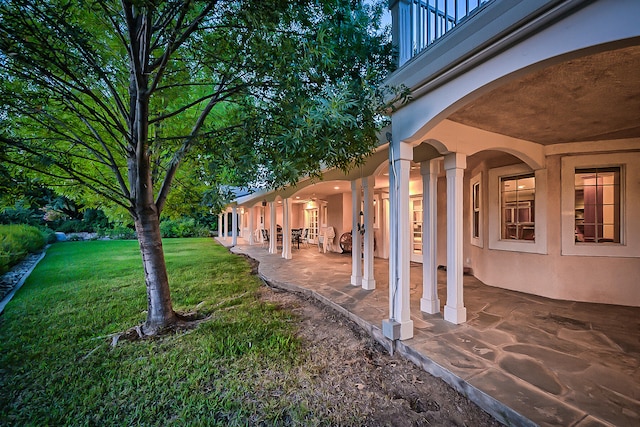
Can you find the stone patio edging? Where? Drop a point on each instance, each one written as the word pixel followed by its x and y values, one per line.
pixel 24 277
pixel 495 408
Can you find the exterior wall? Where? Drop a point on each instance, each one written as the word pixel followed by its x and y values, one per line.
pixel 297 215
pixel 279 217
pixel 347 209
pixel 335 216
pixel 603 279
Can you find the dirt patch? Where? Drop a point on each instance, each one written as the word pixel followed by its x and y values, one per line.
pixel 356 378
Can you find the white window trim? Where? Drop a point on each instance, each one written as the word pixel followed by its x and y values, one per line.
pixel 476 241
pixel 539 246
pixel 629 245
pixel 323 213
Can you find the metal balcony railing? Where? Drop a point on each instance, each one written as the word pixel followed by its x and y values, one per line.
pixel 431 19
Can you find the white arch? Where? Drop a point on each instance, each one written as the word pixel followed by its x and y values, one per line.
pixel 451 137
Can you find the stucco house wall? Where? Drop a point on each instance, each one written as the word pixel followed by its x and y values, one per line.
pixel 605 278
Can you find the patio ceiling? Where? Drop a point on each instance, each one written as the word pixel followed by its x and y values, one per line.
pixel 592 98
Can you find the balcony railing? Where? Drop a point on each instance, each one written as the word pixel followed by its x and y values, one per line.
pixel 422 22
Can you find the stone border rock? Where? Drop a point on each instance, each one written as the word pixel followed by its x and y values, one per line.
pixel 15 278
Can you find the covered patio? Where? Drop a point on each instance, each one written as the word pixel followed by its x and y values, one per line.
pixel 527 360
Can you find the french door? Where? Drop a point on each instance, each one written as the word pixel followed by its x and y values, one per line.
pixel 416 228
pixel 311 216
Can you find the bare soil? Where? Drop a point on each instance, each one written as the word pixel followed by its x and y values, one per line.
pixel 358 382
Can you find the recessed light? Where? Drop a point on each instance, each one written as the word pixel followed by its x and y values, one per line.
pixel 336 188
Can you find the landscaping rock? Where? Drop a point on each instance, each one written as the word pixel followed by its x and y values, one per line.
pixel 15 276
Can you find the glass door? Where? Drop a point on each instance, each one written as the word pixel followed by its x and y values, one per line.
pixel 312 224
pixel 416 229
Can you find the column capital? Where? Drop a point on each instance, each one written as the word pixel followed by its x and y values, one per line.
pixel 430 167
pixel 368 181
pixel 455 161
pixel 400 151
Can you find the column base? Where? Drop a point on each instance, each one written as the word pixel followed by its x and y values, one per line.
pixel 395 330
pixel 356 280
pixel 455 315
pixel 430 306
pixel 368 284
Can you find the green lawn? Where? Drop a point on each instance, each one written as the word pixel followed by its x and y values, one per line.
pixel 57 366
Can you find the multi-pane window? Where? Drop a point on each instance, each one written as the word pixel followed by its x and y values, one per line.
pixel 476 210
pixel 517 199
pixel 597 205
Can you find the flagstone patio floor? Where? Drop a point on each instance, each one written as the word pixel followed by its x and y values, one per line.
pixel 527 360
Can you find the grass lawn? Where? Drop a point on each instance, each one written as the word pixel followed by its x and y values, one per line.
pixel 57 366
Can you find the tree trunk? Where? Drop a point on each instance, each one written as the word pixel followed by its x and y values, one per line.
pixel 160 312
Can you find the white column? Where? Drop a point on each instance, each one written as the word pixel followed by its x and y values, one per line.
pixel 286 230
pixel 399 325
pixel 454 310
pixel 368 281
pixel 225 219
pixel 273 238
pixel 219 225
pixel 252 225
pixel 429 171
pixel 234 225
pixel 356 237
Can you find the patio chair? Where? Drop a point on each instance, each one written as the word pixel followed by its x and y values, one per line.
pixel 296 236
pixel 305 237
pixel 325 240
pixel 265 238
pixel 331 234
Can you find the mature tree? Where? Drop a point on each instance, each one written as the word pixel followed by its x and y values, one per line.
pixel 109 98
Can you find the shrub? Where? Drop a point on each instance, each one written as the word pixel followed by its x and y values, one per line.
pixel 176 227
pixel 21 215
pixel 95 219
pixel 117 231
pixel 183 227
pixel 16 241
pixel 49 235
pixel 72 226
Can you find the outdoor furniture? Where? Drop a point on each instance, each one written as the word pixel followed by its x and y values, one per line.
pixel 346 241
pixel 296 234
pixel 325 239
pixel 265 238
pixel 305 237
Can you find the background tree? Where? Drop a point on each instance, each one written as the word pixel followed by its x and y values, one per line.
pixel 110 98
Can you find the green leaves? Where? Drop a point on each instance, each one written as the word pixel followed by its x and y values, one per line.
pixel 248 93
